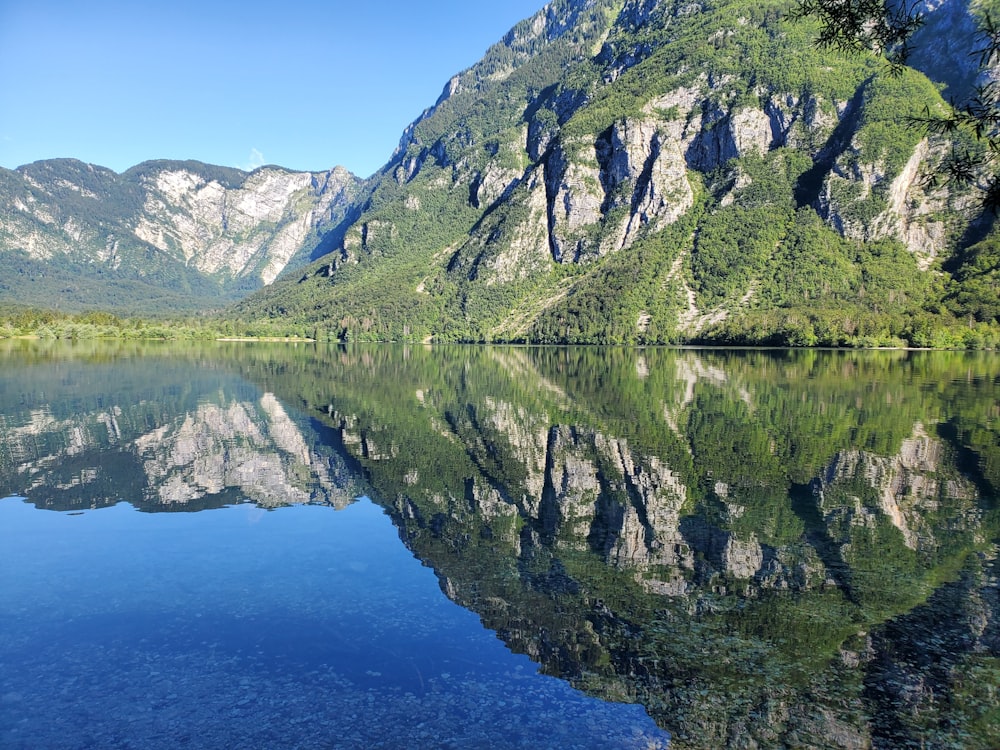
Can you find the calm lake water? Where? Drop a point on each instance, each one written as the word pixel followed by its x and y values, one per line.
pixel 259 546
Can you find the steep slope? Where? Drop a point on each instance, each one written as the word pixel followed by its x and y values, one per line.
pixel 75 235
pixel 652 171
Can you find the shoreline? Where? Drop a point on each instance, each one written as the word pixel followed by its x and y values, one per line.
pixel 267 339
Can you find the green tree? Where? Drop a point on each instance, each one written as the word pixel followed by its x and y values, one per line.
pixel 886 28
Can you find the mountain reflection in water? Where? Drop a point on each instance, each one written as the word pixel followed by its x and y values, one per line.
pixel 764 549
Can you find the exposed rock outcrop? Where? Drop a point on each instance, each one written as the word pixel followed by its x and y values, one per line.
pixel 231 228
pixel 602 193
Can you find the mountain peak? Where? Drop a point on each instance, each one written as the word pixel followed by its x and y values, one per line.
pixel 199 233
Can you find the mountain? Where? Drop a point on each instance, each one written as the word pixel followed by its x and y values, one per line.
pixel 612 171
pixel 162 236
pixel 657 171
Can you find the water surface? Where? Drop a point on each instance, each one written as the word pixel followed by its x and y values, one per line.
pixel 471 547
pixel 237 627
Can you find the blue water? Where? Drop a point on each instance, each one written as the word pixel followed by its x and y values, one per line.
pixel 301 627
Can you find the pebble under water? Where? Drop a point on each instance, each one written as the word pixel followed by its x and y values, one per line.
pixel 302 627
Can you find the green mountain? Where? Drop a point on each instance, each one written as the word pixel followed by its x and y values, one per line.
pixel 658 171
pixel 163 236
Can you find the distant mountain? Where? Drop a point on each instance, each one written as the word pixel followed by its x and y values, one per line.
pixel 657 171
pixel 162 236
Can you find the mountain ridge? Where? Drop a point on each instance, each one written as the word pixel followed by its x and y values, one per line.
pixel 201 232
pixel 695 171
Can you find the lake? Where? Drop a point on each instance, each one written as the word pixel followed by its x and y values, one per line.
pixel 311 546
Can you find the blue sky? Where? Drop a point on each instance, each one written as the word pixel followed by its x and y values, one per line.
pixel 304 84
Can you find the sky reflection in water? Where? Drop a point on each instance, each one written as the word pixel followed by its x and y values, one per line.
pixel 239 627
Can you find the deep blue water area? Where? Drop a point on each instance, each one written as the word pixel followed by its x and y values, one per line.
pixel 239 627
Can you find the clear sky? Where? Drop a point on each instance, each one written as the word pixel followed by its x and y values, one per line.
pixel 307 84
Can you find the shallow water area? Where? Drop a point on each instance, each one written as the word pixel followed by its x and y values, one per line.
pixel 240 627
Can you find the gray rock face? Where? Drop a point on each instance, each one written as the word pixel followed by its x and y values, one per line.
pixel 599 195
pixel 909 210
pixel 233 227
pixel 523 241
pixel 250 230
pixel 603 192
pixel 519 46
pixel 576 196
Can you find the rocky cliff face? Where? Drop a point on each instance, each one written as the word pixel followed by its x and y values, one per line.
pixel 605 190
pixel 180 222
pixel 601 140
pixel 248 231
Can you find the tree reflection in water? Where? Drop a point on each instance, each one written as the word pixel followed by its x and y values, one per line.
pixel 764 548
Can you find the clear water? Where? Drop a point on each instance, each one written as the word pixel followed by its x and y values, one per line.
pixel 239 627
pixel 261 546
